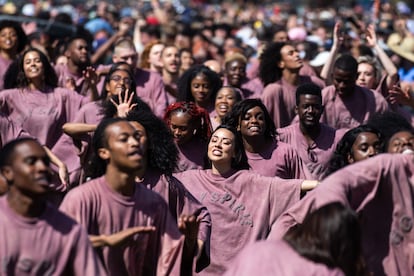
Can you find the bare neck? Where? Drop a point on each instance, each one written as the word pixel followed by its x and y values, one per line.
pixel 25 205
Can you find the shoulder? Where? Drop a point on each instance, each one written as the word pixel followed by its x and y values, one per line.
pixel 272 87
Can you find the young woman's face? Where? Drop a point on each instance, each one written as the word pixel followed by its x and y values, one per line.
pixel 401 142
pixel 200 89
pixel 33 66
pixel 225 100
pixel 118 82
pixel 8 39
pixel 186 60
pixel 253 122
pixel 221 148
pixel 366 75
pixel 181 126
pixel 366 145
pixel 155 55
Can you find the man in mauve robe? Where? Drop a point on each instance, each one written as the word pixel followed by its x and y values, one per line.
pixel 380 189
pixel 36 238
pixel 315 142
pixel 130 224
pixel 347 105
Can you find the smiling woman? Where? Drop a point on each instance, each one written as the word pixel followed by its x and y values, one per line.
pixel 266 155
pixel 243 205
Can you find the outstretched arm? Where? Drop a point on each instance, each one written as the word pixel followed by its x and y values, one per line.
pixel 120 237
pixel 337 41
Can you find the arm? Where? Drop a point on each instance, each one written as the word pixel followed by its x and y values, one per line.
pixel 63 169
pixel 123 29
pixel 337 41
pixel 76 129
pixel 308 185
pixel 91 80
pixel 120 237
pixel 390 69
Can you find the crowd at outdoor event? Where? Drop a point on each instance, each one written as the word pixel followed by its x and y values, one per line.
pixel 226 138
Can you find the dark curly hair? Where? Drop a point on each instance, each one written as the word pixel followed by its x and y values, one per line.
pixel 269 70
pixel 343 149
pixel 16 78
pixel 240 109
pixel 184 83
pixel 162 151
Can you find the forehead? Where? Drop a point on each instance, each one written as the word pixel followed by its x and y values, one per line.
pixel 402 135
pixel 309 98
pixel 28 148
pixel 8 29
pixel 200 76
pixel 286 49
pixel 366 137
pixel 236 63
pixel 121 73
pixel 156 48
pixel 226 91
pixel 78 43
pixel 180 116
pixel 31 54
pixel 169 50
pixel 223 133
pixel 365 66
pixel 339 73
pixel 254 109
pixel 119 128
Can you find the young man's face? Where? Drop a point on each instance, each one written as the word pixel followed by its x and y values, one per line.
pixel 29 171
pixel 78 52
pixel 126 148
pixel 344 81
pixel 309 110
pixel 170 60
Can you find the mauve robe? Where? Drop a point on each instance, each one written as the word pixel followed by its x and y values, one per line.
pixel 249 88
pixel 276 258
pixel 64 74
pixel 243 207
pixel 41 114
pixel 191 155
pixel 4 65
pixel 102 211
pixel 51 244
pixel 317 156
pixel 9 131
pixel 381 191
pixel 279 159
pixel 353 110
pixel 74 152
pixel 280 99
pixel 181 202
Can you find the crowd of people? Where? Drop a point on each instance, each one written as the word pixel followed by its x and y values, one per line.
pixel 186 138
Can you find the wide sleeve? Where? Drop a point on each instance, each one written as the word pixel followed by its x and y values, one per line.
pixel 283 193
pixel 187 204
pixel 158 96
pixel 73 103
pixel 354 186
pixel 84 259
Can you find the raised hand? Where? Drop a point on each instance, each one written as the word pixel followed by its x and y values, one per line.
pixel 125 105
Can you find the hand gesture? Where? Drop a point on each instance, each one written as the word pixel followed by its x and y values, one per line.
pixel 371 36
pixel 399 95
pixel 125 105
pixel 338 37
pixel 123 236
pixel 64 175
pixel 189 226
pixel 90 75
pixel 70 83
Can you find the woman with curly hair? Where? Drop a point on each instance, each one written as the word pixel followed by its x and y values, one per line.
pixel 12 41
pixel 265 153
pixel 357 144
pixel 36 104
pixel 279 71
pixel 199 84
pixel 191 128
